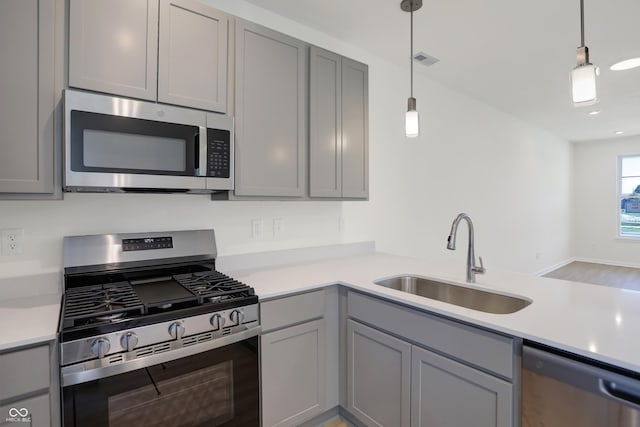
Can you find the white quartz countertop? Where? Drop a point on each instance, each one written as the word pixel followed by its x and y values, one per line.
pixel 29 320
pixel 595 321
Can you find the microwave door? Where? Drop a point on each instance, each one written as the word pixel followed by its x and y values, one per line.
pixel 141 147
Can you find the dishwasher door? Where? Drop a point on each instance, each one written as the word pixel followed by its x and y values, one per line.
pixel 558 391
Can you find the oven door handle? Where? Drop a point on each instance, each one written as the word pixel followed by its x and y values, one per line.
pixel 88 371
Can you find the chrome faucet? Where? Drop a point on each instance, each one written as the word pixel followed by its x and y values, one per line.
pixel 472 268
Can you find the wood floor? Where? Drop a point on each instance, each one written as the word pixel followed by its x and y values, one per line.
pixel 336 423
pixel 599 274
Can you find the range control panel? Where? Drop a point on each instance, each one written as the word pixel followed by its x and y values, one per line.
pixel 147 243
pixel 218 153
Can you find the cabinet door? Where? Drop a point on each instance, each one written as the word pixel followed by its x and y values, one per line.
pixel 378 377
pixel 113 46
pixel 293 374
pixel 28 100
pixel 355 129
pixel 447 393
pixel 270 113
pixel 325 123
pixel 32 412
pixel 192 62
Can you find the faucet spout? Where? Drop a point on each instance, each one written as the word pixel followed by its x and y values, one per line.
pixel 472 268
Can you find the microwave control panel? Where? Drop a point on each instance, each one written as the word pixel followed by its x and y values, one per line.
pixel 218 153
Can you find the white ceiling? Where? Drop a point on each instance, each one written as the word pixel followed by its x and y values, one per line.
pixel 511 54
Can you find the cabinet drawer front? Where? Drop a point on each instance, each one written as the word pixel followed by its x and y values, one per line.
pixel 282 312
pixel 24 371
pixel 474 346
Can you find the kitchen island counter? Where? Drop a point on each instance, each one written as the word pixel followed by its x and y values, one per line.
pixel 594 321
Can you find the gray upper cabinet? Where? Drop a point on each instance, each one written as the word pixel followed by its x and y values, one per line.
pixel 27 34
pixel 446 393
pixel 325 123
pixel 192 64
pixel 355 129
pixel 270 101
pixel 113 46
pixel 173 51
pixel 378 377
pixel 338 126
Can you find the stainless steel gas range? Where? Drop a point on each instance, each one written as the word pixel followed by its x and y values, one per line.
pixel 151 334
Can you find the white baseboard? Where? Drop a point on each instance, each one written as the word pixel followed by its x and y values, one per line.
pixel 555 266
pixel 609 262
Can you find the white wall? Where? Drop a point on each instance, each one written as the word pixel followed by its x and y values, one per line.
pixel 512 178
pixel 596 204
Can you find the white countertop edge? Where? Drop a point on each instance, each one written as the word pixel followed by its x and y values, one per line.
pixel 27 342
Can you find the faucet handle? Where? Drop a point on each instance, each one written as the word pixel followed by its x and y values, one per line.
pixel 480 269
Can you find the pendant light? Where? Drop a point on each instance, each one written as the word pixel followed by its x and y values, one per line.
pixel 583 77
pixel 412 119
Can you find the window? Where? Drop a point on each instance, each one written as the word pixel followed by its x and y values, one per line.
pixel 629 169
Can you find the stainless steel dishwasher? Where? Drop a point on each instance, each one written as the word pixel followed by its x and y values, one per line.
pixel 563 390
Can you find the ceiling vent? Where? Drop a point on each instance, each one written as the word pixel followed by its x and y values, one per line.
pixel 424 59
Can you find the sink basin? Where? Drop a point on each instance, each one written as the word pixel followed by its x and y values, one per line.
pixel 475 299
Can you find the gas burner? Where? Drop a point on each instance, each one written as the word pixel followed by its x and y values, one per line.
pixel 100 303
pixel 214 286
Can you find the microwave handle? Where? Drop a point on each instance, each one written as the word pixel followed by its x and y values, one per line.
pixel 200 142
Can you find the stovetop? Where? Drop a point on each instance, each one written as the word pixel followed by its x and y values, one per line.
pixel 101 308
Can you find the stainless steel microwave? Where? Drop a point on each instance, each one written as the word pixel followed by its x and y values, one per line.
pixel 117 145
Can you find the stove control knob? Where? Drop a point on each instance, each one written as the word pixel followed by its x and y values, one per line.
pixel 176 330
pixel 100 347
pixel 237 316
pixel 217 321
pixel 129 341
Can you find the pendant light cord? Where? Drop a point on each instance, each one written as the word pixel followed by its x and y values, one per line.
pixel 411 53
pixel 582 22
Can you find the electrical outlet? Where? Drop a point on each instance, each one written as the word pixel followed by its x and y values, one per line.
pixel 12 241
pixel 278 227
pixel 257 228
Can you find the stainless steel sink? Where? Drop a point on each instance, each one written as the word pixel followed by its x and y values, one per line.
pixel 475 299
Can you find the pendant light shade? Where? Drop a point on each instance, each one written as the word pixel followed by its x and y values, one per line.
pixel 411 118
pixel 584 85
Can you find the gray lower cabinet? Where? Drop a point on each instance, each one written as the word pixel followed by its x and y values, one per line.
pixel 409 368
pixel 446 393
pixel 338 126
pixel 27 35
pixel 293 374
pixel 173 51
pixel 299 357
pixel 270 112
pixel 29 387
pixel 33 411
pixel 378 377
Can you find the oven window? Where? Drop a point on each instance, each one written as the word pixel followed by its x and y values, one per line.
pixel 216 388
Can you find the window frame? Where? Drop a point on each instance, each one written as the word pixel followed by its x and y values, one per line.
pixel 619 177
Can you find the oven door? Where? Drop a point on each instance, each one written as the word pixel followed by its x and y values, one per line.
pixel 215 388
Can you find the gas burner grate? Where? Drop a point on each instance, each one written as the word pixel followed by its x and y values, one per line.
pixel 214 286
pixel 98 303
